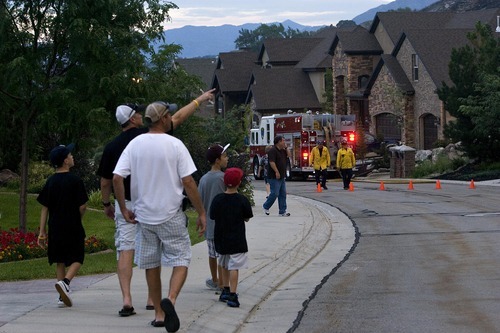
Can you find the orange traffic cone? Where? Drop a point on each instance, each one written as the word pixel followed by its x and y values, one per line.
pixel 319 189
pixel 351 187
pixel 438 185
pixel 472 186
pixel 410 185
pixel 382 186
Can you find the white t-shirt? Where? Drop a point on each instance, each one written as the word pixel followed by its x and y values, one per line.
pixel 157 163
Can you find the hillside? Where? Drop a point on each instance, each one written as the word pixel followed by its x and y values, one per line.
pixel 462 5
pixel 415 5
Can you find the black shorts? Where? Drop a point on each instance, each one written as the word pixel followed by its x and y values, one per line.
pixel 66 251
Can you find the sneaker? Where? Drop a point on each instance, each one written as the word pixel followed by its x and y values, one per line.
pixel 285 214
pixel 63 290
pixel 211 284
pixel 60 303
pixel 324 187
pixel 224 295
pixel 266 211
pixel 233 301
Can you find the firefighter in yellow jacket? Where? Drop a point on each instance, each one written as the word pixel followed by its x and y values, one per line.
pixel 345 163
pixel 320 161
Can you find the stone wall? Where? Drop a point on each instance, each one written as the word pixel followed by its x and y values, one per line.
pixel 385 97
pixel 426 100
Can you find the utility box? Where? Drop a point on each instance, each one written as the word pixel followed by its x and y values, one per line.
pixel 402 161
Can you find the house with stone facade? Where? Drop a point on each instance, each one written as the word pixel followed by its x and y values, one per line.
pixel 388 75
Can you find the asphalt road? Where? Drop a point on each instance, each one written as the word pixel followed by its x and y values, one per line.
pixel 424 260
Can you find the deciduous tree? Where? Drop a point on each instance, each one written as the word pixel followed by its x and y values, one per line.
pixel 253 39
pixel 63 62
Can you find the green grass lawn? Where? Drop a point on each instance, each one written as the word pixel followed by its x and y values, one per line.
pixel 94 222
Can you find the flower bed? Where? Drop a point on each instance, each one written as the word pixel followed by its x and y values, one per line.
pixel 16 245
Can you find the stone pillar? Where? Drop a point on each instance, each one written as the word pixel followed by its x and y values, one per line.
pixel 402 161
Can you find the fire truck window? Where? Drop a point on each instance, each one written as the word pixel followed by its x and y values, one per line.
pixel 268 133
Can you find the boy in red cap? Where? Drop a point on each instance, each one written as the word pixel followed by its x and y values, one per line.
pixel 212 184
pixel 231 210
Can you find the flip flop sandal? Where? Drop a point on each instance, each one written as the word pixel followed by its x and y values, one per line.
pixel 157 323
pixel 126 311
pixel 171 320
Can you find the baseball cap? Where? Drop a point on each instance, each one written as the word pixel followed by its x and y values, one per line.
pixel 58 154
pixel 215 151
pixel 233 176
pixel 124 112
pixel 158 109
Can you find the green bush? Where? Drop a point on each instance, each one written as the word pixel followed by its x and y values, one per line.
pixel 442 165
pixel 95 199
pixel 38 172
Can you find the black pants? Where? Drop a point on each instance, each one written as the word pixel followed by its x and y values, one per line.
pixel 346 177
pixel 323 174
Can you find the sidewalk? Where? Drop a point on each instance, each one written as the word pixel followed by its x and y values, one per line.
pixel 289 256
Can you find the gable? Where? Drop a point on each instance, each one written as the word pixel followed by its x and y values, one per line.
pixel 282 88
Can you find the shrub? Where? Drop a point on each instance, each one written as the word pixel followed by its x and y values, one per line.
pixel 95 199
pixel 442 165
pixel 38 172
pixel 16 245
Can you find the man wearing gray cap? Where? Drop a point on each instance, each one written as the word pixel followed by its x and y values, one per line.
pixel 161 169
pixel 130 119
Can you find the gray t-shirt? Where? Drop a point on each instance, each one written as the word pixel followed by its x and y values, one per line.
pixel 211 184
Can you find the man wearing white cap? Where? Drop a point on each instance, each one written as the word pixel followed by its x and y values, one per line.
pixel 161 169
pixel 130 119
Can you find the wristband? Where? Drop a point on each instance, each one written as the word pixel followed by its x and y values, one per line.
pixel 106 204
pixel 196 102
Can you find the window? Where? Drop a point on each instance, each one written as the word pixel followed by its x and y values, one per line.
pixel 414 65
pixel 362 81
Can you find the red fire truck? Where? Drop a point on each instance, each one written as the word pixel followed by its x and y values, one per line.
pixel 302 132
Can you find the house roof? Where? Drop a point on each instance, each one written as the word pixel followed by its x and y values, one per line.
pixel 395 70
pixel 434 48
pixel 319 58
pixel 396 23
pixel 282 88
pixel 234 70
pixel 287 51
pixel 201 67
pixel 356 41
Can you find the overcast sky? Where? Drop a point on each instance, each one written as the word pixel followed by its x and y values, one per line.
pixel 237 12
